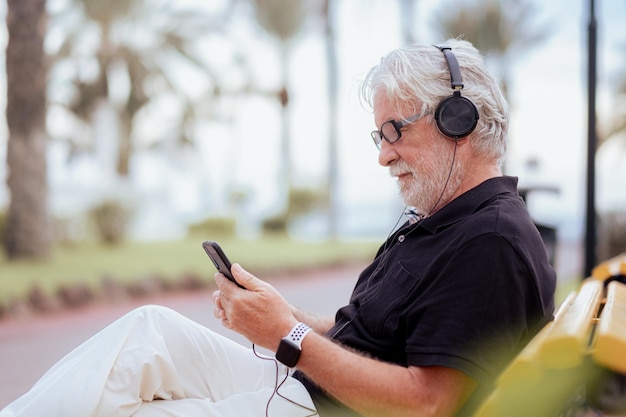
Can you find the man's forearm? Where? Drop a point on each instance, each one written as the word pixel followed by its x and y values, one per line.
pixel 319 324
pixel 375 388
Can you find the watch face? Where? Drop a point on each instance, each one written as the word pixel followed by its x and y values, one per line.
pixel 288 353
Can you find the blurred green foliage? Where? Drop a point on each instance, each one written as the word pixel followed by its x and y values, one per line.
pixel 111 219
pixel 275 225
pixel 3 224
pixel 611 234
pixel 214 226
pixel 300 201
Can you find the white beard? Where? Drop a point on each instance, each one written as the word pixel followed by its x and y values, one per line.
pixel 429 189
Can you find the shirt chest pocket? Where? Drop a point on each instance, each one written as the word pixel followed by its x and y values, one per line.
pixel 386 299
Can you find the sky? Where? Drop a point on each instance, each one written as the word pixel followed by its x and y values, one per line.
pixel 548 98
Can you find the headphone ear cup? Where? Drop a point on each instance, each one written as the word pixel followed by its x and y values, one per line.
pixel 456 116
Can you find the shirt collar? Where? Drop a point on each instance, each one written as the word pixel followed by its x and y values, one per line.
pixel 467 203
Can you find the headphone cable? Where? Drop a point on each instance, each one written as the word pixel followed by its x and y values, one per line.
pixel 278 385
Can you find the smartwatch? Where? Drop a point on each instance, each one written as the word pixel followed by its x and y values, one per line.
pixel 290 346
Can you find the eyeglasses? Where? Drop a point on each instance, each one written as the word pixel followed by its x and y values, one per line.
pixel 390 130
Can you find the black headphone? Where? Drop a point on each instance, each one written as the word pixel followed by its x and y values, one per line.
pixel 456 116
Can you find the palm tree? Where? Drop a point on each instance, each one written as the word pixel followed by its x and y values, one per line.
pixel 500 29
pixel 27 233
pixel 142 41
pixel 282 19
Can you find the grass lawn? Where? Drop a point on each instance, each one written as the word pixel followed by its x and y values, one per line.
pixel 89 263
pixel 131 262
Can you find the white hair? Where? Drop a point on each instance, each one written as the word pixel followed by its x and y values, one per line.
pixel 417 77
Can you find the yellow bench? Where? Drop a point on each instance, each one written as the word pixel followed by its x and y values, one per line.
pixel 574 357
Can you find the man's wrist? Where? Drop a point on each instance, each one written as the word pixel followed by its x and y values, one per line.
pixel 290 346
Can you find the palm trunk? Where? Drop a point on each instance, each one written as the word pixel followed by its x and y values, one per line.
pixel 285 135
pixel 333 145
pixel 27 232
pixel 125 146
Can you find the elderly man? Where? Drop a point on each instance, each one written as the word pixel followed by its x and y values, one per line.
pixel 451 296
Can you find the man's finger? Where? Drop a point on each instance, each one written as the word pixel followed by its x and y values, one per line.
pixel 245 278
pixel 216 298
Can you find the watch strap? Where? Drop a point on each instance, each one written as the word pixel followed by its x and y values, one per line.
pixel 297 334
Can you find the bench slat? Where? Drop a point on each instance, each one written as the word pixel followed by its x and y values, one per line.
pixel 568 340
pixel 610 343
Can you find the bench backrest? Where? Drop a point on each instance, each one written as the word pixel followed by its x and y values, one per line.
pixel 572 354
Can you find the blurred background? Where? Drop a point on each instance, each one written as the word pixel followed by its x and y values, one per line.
pixel 135 129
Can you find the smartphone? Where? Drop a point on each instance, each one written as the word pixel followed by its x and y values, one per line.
pixel 219 259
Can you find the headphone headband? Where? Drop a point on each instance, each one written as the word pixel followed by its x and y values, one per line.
pixel 456 116
pixel 456 81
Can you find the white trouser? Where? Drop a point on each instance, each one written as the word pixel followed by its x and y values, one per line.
pixel 155 362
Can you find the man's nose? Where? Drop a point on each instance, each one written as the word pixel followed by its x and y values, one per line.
pixel 387 153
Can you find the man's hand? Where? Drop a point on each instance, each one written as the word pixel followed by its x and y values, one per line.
pixel 259 312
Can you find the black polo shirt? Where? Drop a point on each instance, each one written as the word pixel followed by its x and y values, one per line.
pixel 465 288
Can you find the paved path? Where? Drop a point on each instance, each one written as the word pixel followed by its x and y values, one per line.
pixel 30 346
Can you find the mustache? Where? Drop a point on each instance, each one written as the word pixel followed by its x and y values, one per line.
pixel 400 167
